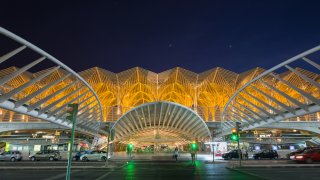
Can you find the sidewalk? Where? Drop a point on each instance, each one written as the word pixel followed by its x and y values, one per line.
pixel 122 156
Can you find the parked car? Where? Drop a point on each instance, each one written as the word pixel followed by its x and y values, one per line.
pixel 79 154
pixel 11 156
pixel 50 155
pixel 94 155
pixel 231 154
pixel 308 156
pixel 269 154
pixel 299 151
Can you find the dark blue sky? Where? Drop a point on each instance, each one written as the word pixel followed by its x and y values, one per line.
pixel 159 35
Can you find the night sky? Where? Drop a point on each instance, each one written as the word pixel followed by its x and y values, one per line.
pixel 158 35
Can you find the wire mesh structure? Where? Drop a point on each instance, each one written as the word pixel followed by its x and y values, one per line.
pixel 273 96
pixel 45 94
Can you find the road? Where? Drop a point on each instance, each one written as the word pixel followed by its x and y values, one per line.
pixel 281 173
pixel 135 170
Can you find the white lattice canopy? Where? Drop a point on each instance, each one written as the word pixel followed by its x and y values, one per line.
pixel 161 122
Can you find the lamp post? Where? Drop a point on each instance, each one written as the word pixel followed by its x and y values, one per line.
pixel 108 141
pixel 212 146
pixel 72 112
pixel 238 140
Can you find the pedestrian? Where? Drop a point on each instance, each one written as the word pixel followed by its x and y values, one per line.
pixel 176 154
pixel 193 156
pixel 246 155
pixel 129 152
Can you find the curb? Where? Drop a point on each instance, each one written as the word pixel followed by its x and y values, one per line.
pixel 280 166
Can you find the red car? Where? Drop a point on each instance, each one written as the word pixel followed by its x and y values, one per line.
pixel 308 156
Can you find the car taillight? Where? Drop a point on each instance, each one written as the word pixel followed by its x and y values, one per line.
pixel 299 157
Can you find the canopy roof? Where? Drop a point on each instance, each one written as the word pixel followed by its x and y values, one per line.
pixel 161 122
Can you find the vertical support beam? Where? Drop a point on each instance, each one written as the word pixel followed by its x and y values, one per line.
pixel 73 119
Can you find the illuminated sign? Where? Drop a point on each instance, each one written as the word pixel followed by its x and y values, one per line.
pixel 48 136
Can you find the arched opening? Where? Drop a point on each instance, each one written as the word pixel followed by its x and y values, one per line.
pixel 160 124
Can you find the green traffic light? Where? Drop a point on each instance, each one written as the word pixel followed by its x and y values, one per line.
pixel 130 146
pixel 234 137
pixel 193 146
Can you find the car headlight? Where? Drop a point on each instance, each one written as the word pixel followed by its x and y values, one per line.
pixel 291 157
pixel 299 157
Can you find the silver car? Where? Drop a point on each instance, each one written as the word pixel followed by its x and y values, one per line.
pixel 11 156
pixel 94 156
pixel 50 155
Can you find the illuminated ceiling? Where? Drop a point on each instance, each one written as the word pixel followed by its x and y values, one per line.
pixel 206 93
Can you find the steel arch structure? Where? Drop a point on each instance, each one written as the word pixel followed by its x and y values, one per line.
pixel 46 94
pixel 273 96
pixel 150 121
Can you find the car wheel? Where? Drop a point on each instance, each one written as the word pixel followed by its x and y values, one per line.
pixel 33 159
pixel 85 159
pixel 259 158
pixel 13 159
pixel 51 158
pixel 103 158
pixel 309 160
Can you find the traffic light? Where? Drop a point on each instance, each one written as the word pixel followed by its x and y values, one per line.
pixel 194 146
pixel 234 135
pixel 72 111
pixel 129 147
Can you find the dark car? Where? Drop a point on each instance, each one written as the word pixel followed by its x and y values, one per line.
pixel 266 154
pixel 309 156
pixel 231 154
pixel 299 151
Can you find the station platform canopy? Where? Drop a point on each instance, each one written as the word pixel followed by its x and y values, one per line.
pixel 161 122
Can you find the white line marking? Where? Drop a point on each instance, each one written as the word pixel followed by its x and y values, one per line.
pixel 105 175
pixel 60 175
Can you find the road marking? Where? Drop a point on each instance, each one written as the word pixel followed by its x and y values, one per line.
pixel 106 174
pixel 60 175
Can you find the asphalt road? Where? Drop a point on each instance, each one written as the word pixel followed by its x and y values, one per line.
pixel 135 170
pixel 281 173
